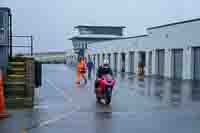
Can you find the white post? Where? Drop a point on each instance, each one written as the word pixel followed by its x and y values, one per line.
pixel 146 69
pixel 112 60
pixel 136 61
pixel 127 61
pixel 119 62
pixel 187 63
pixel 101 58
pixel 154 72
pixel 92 58
pixel 96 61
pixel 86 56
pixel 168 63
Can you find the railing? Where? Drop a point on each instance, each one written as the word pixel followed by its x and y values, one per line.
pixel 22 45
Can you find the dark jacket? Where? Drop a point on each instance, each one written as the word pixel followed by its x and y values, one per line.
pixel 104 70
pixel 90 65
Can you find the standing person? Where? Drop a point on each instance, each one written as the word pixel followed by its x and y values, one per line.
pixel 81 70
pixel 90 66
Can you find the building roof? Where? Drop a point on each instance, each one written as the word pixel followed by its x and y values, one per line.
pixel 145 35
pixel 93 36
pixel 91 26
pixel 175 23
pixel 5 9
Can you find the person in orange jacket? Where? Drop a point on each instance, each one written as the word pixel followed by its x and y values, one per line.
pixel 81 70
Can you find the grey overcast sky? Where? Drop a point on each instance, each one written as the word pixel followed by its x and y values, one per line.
pixel 52 21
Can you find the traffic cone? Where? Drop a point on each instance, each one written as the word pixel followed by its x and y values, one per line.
pixel 3 113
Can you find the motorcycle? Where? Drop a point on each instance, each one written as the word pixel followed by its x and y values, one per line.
pixel 105 88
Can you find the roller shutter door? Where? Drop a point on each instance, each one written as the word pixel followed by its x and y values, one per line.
pixel 177 59
pixel 123 62
pixel 98 59
pixel 131 62
pixel 196 63
pixel 94 60
pixel 103 57
pixel 115 62
pixel 150 63
pixel 160 62
pixel 109 58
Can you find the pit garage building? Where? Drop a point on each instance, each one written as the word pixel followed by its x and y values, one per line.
pixel 170 51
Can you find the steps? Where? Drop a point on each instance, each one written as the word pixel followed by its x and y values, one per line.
pixel 17 85
pixel 17 63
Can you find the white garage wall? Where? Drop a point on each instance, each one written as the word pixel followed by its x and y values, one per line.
pixel 176 36
pixel 126 43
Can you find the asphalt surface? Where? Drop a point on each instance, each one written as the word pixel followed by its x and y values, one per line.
pixel 153 105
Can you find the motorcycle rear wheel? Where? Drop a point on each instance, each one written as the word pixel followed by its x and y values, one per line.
pixel 108 100
pixel 98 99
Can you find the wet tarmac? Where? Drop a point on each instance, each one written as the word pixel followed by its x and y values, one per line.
pixel 153 105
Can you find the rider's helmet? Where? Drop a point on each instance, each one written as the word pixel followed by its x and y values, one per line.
pixel 106 63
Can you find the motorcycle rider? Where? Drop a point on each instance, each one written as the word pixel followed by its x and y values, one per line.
pixel 103 70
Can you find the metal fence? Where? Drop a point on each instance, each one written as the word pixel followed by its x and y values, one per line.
pixel 22 45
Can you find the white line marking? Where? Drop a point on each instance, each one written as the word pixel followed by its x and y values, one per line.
pixel 60 117
pixel 50 121
pixel 65 95
pixel 41 107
